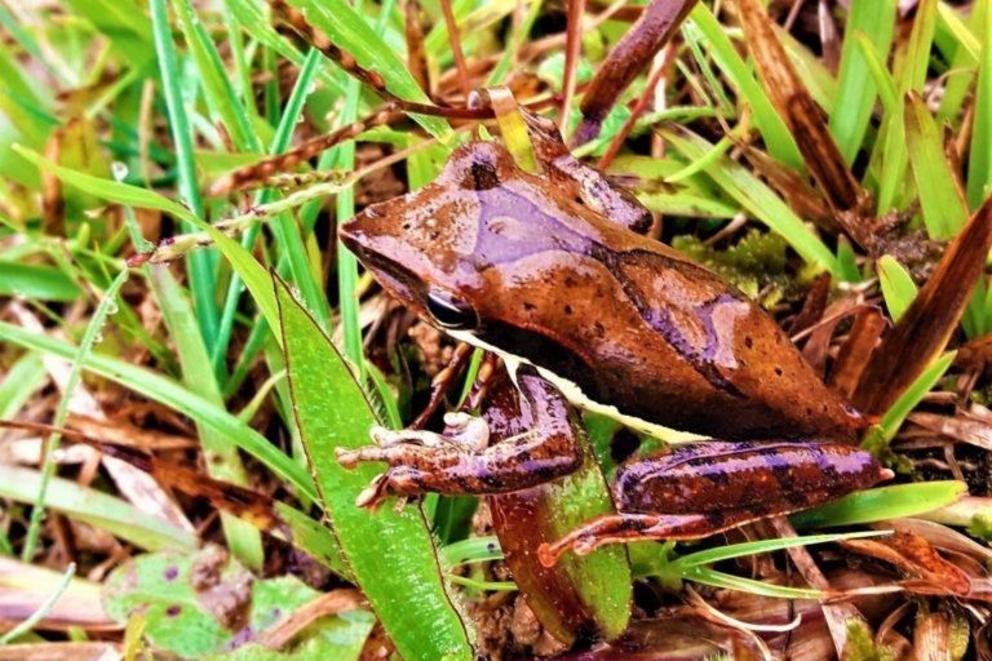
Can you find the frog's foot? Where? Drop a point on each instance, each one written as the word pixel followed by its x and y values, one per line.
pixel 627 527
pixel 461 430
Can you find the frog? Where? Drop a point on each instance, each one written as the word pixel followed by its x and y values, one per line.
pixel 553 272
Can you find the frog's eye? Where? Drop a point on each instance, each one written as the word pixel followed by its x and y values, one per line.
pixel 451 312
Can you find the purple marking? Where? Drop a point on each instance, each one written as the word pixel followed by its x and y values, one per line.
pixel 171 573
pixel 173 611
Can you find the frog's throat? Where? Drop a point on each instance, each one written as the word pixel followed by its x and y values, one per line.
pixel 574 394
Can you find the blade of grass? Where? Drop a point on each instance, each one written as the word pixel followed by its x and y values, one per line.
pixel 945 210
pixel 898 288
pixel 281 142
pixel 96 508
pixel 890 153
pixel 19 384
pixel 214 79
pixel 775 133
pixel 250 271
pixel 856 94
pixel 62 411
pixel 759 200
pixel 914 394
pixel 894 502
pixel 719 579
pixel 27 625
pixel 980 154
pixel 964 63
pixel 173 395
pixel 923 331
pixel 220 455
pixel 347 30
pixel 411 599
pixel 201 274
pixel 731 551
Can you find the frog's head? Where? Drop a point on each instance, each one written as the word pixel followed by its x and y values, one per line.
pixel 435 248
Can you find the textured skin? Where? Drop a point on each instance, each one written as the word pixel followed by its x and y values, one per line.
pixel 633 322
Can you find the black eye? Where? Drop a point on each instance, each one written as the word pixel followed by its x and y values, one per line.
pixel 451 312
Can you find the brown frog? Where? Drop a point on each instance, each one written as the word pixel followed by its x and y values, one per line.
pixel 551 272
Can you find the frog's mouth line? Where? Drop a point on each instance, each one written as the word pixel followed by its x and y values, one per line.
pixel 395 278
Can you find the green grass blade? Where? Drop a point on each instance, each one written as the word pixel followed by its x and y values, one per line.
pixel 964 63
pixel 172 394
pixel 20 383
pixel 36 282
pixel 254 276
pixel 898 288
pixel 731 551
pixel 411 598
pixel 281 142
pixel 856 93
pixel 914 394
pixel 883 503
pixel 911 69
pixel 348 31
pixel 980 154
pixel 776 134
pixel 220 455
pixel 945 210
pixel 62 411
pixel 199 265
pixel 96 508
pixel 757 198
pixel 214 79
pixel 719 579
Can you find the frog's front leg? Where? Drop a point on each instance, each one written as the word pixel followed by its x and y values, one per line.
pixel 459 460
pixel 712 486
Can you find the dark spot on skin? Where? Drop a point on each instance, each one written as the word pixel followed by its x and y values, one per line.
pixel 809 411
pixel 406 225
pixel 748 342
pixel 778 371
pixel 483 176
pixel 529 306
pixel 568 309
pixel 599 329
pixel 171 573
pixel 173 611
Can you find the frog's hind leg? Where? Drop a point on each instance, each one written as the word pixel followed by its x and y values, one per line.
pixel 625 527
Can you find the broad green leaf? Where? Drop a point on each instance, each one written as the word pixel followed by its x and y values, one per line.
pixel 191 617
pixel 411 598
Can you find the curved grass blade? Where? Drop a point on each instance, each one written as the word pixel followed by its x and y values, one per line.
pixel 883 503
pixel 411 597
pixel 96 508
pixel 175 396
pixel 62 410
pixel 348 31
pixel 856 92
pixel 759 200
pixel 898 288
pixel 221 456
pixel 773 130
